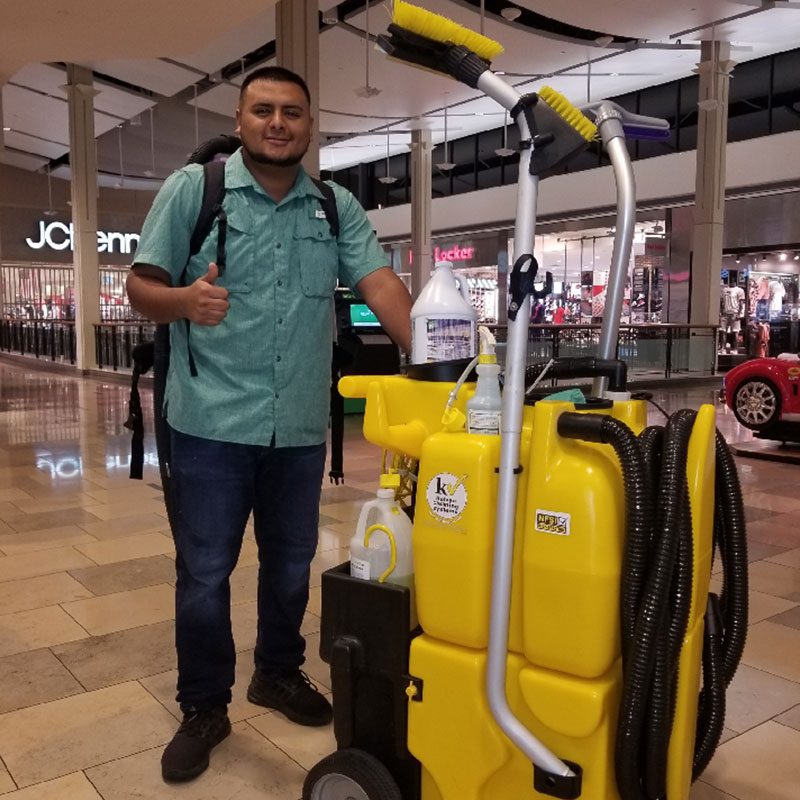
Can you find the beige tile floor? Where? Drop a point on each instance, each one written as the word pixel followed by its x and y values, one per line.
pixel 87 668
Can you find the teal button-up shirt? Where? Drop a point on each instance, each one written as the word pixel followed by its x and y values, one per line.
pixel 266 368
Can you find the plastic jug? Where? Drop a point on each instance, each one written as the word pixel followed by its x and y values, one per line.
pixel 442 319
pixel 380 550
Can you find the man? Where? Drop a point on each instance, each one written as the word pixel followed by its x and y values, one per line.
pixel 247 399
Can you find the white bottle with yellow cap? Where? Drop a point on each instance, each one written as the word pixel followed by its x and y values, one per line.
pixel 381 548
pixel 484 407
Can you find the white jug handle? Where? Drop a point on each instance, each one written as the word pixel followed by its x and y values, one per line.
pixel 392 545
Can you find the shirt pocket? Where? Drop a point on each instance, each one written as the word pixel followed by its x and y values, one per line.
pixel 239 252
pixel 319 256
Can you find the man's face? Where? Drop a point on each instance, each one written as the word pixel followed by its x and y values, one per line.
pixel 274 123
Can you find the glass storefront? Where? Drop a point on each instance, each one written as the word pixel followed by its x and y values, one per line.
pixel 578 260
pixel 767 286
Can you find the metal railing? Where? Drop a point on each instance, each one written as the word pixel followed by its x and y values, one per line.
pixel 52 340
pixel 649 350
pixel 114 342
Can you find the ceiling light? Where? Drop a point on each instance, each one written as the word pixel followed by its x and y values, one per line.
pixel 445 165
pixel 782 256
pixel 6 128
pixel 368 91
pixel 796 257
pixel 604 41
pixel 510 13
pixel 505 150
pixel 386 179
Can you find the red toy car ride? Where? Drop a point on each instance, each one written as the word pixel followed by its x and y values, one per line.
pixel 764 395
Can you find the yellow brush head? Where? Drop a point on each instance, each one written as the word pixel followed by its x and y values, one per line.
pixel 568 112
pixel 440 29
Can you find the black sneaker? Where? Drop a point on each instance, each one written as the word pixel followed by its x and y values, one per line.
pixel 186 756
pixel 293 694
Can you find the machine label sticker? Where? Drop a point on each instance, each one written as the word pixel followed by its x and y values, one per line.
pixel 447 496
pixel 552 522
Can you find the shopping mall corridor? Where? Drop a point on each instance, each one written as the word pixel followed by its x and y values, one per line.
pixel 86 615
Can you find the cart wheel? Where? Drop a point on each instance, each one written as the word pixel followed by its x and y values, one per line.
pixel 350 775
pixel 756 404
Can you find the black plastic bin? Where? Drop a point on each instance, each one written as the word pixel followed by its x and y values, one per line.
pixel 365 637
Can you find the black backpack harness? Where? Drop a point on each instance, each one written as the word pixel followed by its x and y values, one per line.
pixel 155 353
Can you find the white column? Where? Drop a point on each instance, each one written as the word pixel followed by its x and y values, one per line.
pixel 83 165
pixel 421 164
pixel 709 217
pixel 297 46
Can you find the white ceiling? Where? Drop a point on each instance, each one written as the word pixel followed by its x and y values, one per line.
pixel 156 55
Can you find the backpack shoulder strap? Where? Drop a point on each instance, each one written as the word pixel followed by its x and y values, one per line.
pixel 213 195
pixel 210 209
pixel 329 205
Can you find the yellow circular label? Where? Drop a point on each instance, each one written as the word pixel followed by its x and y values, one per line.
pixel 793 372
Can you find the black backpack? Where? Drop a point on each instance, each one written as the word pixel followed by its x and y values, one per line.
pixel 156 353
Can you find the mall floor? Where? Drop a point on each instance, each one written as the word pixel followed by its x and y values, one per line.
pixel 86 616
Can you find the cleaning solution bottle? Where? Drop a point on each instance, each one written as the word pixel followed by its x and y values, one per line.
pixel 380 550
pixel 483 408
pixel 442 319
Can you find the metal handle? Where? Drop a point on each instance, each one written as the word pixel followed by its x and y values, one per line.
pixel 647 127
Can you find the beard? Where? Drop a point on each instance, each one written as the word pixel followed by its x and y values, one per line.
pixel 289 160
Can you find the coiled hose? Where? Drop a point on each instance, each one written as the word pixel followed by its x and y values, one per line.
pixel 655 595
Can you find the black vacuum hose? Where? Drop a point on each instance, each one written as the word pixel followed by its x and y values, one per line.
pixel 726 618
pixel 656 589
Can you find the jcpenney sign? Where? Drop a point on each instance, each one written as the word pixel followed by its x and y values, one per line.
pixel 59 236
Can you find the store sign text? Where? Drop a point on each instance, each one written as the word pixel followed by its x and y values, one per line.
pixel 59 236
pixel 455 253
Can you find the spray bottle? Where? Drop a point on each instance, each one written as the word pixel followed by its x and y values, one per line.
pixel 442 319
pixel 483 408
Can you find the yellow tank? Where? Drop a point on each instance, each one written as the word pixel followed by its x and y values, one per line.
pixel 573 535
pixel 564 677
pixel 453 537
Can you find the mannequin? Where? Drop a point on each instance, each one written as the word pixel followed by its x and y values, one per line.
pixel 731 311
pixel 777 291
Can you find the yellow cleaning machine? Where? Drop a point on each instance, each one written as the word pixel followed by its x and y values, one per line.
pixel 567 643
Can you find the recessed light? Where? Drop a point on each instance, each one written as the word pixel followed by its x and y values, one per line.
pixel 6 128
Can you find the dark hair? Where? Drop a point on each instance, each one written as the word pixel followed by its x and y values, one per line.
pixel 279 74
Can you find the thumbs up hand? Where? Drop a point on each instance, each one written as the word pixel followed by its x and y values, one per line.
pixel 206 303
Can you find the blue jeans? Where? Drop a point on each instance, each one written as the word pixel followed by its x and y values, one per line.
pixel 215 486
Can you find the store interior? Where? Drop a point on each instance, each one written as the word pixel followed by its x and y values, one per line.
pixel 579 262
pixel 760 303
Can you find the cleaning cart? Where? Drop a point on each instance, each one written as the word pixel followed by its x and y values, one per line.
pixel 561 569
